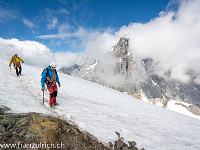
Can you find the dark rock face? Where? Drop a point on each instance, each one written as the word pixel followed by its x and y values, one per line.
pixel 4 109
pixel 123 57
pixel 69 70
pixel 165 87
pixel 125 76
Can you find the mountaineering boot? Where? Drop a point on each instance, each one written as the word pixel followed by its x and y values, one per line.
pixel 55 104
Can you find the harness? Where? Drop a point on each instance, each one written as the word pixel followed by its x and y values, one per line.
pixel 15 61
pixel 48 79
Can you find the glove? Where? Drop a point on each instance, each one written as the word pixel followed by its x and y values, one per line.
pixel 43 89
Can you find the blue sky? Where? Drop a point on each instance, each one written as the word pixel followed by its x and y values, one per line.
pixel 62 24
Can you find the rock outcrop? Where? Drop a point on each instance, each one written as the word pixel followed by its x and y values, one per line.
pixel 69 70
pixel 123 57
pixel 37 131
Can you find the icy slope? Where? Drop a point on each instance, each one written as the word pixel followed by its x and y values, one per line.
pixel 14 93
pixel 101 111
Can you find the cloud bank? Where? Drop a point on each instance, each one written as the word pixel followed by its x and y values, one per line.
pixel 36 54
pixel 172 40
pixel 33 53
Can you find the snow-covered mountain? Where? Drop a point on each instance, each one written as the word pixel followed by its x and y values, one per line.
pixel 121 70
pixel 100 110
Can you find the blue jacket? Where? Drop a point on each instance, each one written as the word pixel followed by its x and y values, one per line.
pixel 50 74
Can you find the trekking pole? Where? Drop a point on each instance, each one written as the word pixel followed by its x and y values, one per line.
pixel 43 97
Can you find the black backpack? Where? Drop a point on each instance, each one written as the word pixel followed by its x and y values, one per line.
pixel 47 73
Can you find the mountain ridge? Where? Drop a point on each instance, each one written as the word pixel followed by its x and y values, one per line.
pixel 120 70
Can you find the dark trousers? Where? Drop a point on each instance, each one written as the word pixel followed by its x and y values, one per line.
pixel 20 70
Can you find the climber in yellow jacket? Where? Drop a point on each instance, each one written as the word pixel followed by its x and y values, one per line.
pixel 16 63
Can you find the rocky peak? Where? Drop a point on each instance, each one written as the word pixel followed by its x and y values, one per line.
pixel 123 57
pixel 122 47
pixel 123 63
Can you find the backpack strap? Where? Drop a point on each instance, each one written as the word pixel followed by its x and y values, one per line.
pixel 54 77
pixel 44 70
pixel 14 60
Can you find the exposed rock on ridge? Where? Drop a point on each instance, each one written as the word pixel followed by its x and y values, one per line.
pixel 123 57
pixel 37 129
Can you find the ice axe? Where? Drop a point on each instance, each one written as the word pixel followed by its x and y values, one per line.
pixel 43 97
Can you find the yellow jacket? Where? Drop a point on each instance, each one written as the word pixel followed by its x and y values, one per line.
pixel 15 59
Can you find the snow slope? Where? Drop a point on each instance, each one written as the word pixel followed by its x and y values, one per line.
pixel 101 111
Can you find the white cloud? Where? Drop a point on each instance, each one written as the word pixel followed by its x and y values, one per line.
pixel 62 11
pixel 67 59
pixel 98 44
pixel 79 33
pixel 171 39
pixel 65 28
pixel 6 13
pixel 50 36
pixel 51 12
pixel 35 54
pixel 53 23
pixel 28 23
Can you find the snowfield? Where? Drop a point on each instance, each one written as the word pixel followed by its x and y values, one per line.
pixel 100 111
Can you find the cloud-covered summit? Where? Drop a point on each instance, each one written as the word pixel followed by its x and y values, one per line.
pixel 171 39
